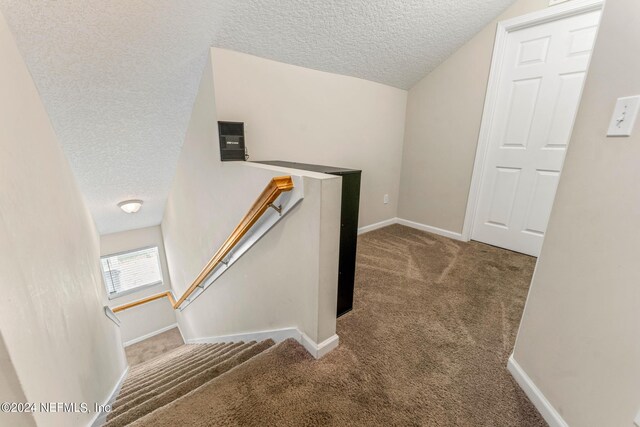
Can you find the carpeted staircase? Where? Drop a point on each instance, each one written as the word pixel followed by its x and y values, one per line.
pixel 158 382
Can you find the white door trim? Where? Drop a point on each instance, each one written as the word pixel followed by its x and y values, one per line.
pixel 561 11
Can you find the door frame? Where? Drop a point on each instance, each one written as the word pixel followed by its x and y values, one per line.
pixel 552 13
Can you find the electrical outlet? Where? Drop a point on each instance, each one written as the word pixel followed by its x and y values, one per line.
pixel 636 420
pixel 385 199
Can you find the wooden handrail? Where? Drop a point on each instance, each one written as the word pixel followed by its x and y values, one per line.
pixel 167 294
pixel 272 191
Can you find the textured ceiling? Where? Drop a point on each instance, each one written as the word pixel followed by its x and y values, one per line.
pixel 118 77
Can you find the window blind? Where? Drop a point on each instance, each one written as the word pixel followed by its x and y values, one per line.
pixel 130 270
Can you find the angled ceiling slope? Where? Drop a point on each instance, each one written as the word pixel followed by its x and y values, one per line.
pixel 119 77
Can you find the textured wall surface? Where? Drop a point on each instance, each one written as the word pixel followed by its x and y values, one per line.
pixel 274 291
pixel 297 114
pixel 444 112
pixel 119 78
pixel 61 345
pixel 578 340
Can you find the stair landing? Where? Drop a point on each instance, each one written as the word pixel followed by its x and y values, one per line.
pixel 153 347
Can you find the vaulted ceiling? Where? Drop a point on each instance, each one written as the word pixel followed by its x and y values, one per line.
pixel 118 77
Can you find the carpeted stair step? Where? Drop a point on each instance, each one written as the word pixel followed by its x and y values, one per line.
pixel 170 359
pixel 155 365
pixel 165 357
pixel 158 361
pixel 176 370
pixel 132 400
pixel 148 400
pixel 170 354
pixel 193 367
pixel 169 368
pixel 144 394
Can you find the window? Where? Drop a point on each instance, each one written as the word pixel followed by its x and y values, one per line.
pixel 130 271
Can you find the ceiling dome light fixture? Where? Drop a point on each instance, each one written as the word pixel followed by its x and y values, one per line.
pixel 130 206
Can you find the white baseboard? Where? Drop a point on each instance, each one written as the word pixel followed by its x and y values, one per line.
pixel 278 335
pixel 377 225
pixel 320 350
pixel 412 224
pixel 101 417
pixel 181 334
pixel 151 334
pixel 430 229
pixel 548 412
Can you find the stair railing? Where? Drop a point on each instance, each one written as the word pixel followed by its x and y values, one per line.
pixel 272 191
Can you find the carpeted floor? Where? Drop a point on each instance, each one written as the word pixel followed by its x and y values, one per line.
pixel 427 344
pixel 153 347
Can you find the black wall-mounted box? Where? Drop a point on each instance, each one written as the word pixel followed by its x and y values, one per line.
pixel 231 141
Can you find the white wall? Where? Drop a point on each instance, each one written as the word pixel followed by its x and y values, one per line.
pixel 579 337
pixel 63 347
pixel 444 111
pixel 288 279
pixel 151 317
pixel 298 114
pixel 11 391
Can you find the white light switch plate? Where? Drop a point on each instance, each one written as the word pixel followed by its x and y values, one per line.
pixel 624 116
pixel 636 420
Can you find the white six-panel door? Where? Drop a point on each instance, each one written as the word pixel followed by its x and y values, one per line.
pixel 540 84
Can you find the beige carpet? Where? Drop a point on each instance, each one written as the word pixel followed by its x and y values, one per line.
pixel 153 347
pixel 427 344
pixel 165 379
